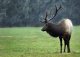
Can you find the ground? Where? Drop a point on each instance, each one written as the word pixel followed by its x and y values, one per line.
pixel 32 42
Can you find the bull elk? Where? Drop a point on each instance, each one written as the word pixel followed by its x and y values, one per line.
pixel 61 29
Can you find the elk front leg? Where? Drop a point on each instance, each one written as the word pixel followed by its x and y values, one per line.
pixel 60 44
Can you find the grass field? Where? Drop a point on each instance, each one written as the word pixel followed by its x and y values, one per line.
pixel 32 42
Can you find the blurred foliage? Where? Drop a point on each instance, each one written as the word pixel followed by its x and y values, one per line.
pixel 30 12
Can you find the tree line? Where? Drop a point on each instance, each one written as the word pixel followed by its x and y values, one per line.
pixel 30 12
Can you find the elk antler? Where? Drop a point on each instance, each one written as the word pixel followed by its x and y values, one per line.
pixel 57 9
pixel 45 19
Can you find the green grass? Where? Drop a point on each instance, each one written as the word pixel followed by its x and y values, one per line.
pixel 32 42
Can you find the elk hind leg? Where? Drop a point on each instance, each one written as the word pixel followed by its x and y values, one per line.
pixel 64 45
pixel 67 41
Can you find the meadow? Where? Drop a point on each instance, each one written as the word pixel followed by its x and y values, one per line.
pixel 32 42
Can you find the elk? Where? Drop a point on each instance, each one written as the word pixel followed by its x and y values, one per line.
pixel 61 29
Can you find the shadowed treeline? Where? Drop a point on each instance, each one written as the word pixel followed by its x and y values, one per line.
pixel 29 12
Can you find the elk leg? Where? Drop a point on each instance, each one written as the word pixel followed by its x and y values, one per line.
pixel 60 44
pixel 68 47
pixel 67 42
pixel 64 46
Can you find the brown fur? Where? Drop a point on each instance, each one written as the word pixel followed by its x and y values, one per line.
pixel 62 29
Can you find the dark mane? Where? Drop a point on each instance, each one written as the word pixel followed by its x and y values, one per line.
pixel 54 29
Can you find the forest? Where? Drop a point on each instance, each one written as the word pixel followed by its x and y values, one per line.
pixel 22 13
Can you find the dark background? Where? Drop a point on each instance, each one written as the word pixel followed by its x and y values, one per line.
pixel 30 12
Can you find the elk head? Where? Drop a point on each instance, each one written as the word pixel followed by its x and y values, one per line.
pixel 46 21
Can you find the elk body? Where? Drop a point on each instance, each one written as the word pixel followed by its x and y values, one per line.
pixel 62 29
